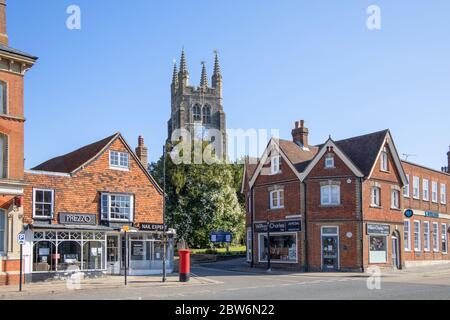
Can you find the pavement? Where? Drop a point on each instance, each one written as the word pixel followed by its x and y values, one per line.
pixel 233 280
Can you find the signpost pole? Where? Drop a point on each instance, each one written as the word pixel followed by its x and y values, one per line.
pixel 21 268
pixel 126 257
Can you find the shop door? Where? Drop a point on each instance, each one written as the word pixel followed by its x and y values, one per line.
pixel 113 261
pixel 330 253
pixel 395 253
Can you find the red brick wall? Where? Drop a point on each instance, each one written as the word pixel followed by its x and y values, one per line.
pixel 80 193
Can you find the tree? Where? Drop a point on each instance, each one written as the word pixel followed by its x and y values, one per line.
pixel 202 198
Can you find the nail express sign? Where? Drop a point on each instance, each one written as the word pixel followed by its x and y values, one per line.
pixel 78 219
pixel 279 226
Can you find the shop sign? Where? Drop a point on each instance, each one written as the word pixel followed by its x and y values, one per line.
pixel 383 229
pixel 280 226
pixel 431 214
pixel 152 227
pixel 77 218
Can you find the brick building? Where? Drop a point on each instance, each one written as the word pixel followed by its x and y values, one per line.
pixel 343 205
pixel 13 66
pixel 76 205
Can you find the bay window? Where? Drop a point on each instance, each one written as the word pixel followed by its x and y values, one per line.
pixel 330 194
pixel 43 203
pixel 116 207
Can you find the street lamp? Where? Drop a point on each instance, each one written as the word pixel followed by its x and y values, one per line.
pixel 269 269
pixel 164 215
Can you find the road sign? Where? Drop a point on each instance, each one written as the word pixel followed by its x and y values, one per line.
pixel 125 228
pixel 21 238
pixel 221 237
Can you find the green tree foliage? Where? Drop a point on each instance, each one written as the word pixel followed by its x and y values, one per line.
pixel 202 198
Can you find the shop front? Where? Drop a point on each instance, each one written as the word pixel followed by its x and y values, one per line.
pixel 378 237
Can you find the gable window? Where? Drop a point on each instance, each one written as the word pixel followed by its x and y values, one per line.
pixel 443 193
pixel 3 156
pixel 275 164
pixel 330 194
pixel 435 237
pixel 406 235
pixel 43 203
pixel 384 160
pixel 117 207
pixel 2 231
pixel 426 189
pixel 406 187
pixel 207 114
pixel 197 113
pixel 329 162
pixel 277 199
pixel 416 235
pixel 443 238
pixel 416 184
pixel 3 98
pixel 426 236
pixel 376 196
pixel 395 199
pixel 434 191
pixel 119 160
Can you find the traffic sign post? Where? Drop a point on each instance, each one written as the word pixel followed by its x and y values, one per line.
pixel 21 241
pixel 125 229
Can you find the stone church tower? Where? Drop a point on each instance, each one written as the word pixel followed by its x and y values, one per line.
pixel 198 109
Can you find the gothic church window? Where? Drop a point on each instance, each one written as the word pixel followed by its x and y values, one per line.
pixel 197 113
pixel 207 114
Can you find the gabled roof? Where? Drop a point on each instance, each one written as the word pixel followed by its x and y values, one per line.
pixel 71 161
pixel 13 51
pixel 250 165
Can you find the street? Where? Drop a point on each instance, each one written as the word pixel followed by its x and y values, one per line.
pixel 231 280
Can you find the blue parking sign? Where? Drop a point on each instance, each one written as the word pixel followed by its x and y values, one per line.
pixel 21 238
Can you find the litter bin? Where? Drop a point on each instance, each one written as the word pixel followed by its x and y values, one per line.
pixel 185 265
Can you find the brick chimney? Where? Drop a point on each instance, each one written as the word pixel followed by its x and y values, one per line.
pixel 3 34
pixel 142 151
pixel 300 134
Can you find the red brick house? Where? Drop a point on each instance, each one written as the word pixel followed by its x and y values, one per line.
pixel 76 205
pixel 13 66
pixel 335 206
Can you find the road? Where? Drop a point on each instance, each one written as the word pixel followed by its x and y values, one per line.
pixel 223 283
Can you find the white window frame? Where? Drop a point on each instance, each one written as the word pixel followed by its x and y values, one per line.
pixel 384 160
pixel 3 216
pixel 426 236
pixel 435 237
pixel 395 199
pixel 53 204
pixel 329 162
pixel 444 237
pixel 279 193
pixel 426 190
pixel 119 156
pixel 443 193
pixel 406 188
pixel 328 190
pixel 275 164
pixel 4 108
pixel 407 235
pixel 375 197
pixel 261 237
pixel 434 192
pixel 418 237
pixel 416 187
pixel 131 218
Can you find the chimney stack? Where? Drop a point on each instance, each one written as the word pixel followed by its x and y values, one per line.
pixel 3 34
pixel 448 160
pixel 300 134
pixel 142 151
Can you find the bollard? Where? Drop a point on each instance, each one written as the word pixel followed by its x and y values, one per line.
pixel 185 265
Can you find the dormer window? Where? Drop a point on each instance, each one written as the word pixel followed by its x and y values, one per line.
pixel 329 162
pixel 119 160
pixel 275 164
pixel 384 160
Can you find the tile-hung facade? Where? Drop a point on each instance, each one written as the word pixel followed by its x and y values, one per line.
pixel 334 206
pixel 13 66
pixel 77 204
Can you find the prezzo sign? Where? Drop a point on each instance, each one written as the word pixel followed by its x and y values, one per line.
pixel 77 218
pixel 152 227
pixel 383 229
pixel 279 226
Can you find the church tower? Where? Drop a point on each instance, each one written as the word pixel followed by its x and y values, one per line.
pixel 198 109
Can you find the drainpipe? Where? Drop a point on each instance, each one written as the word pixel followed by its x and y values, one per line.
pixel 306 226
pixel 362 222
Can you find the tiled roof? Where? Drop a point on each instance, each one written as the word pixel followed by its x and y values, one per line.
pixel 17 52
pixel 299 157
pixel 73 160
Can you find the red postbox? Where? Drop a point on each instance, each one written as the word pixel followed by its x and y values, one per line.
pixel 185 265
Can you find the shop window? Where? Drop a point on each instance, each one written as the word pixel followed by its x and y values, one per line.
pixel 283 248
pixel 406 187
pixel 378 249
pixel 395 199
pixel 417 246
pixel 444 238
pixel 2 231
pixel 117 207
pixel 277 199
pixel 435 237
pixel 44 256
pixel 3 98
pixel 93 255
pixel 426 236
pixel 330 195
pixel 69 256
pixel 119 160
pixel 376 196
pixel 406 235
pixel 43 202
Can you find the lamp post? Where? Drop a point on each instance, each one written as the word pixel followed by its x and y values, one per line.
pixel 164 215
pixel 269 269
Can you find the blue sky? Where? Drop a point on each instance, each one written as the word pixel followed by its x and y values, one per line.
pixel 281 61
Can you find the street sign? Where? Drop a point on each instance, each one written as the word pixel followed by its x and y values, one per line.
pixel 221 237
pixel 21 239
pixel 125 228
